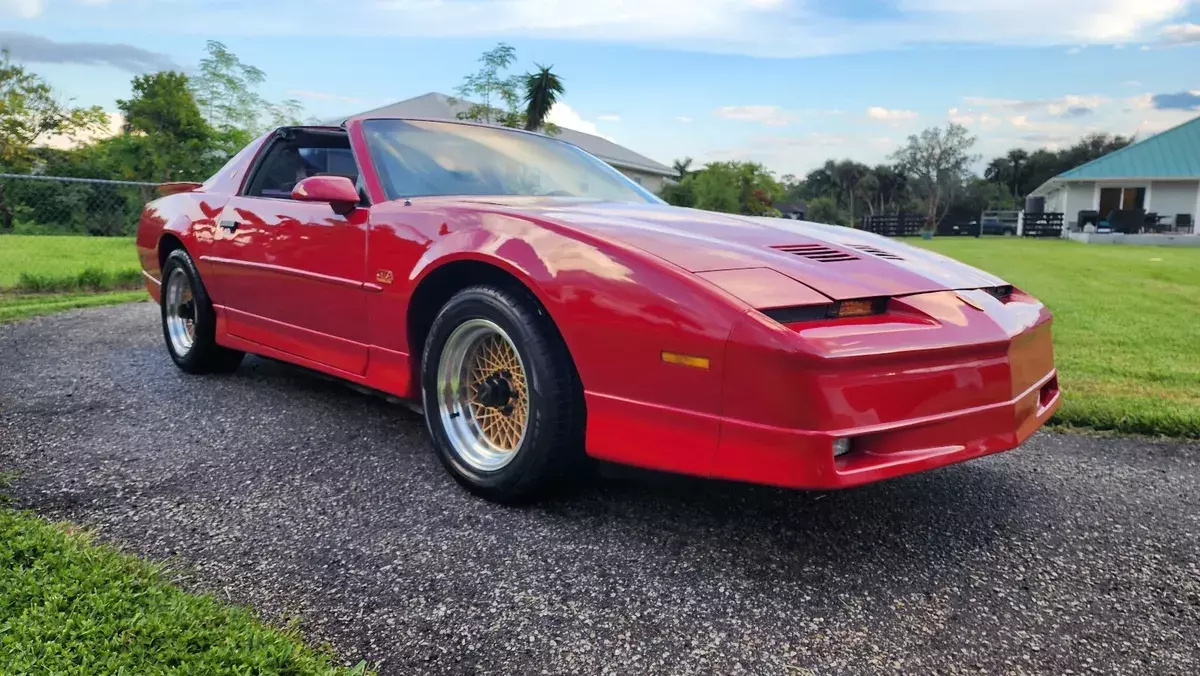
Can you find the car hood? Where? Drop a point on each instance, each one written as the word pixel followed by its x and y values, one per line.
pixel 839 262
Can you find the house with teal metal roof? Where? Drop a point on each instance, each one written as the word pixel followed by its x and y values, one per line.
pixel 1158 175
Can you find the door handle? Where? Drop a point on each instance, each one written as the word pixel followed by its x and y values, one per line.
pixel 231 226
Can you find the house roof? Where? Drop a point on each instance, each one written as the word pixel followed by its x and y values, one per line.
pixel 1172 154
pixel 435 106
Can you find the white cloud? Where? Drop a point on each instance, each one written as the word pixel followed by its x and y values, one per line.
pixel 1181 33
pixel 25 9
pixel 1070 105
pixel 609 118
pixel 684 119
pixel 890 114
pixel 771 28
pixel 1131 83
pixel 971 119
pixel 566 116
pixel 772 116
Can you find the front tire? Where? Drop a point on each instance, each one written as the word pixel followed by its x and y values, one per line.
pixel 502 400
pixel 189 323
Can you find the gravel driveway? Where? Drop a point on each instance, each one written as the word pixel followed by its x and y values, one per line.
pixel 302 497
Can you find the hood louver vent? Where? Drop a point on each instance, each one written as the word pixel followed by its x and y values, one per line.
pixel 816 252
pixel 865 248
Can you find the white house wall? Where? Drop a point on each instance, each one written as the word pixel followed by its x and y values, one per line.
pixel 1076 197
pixel 1174 197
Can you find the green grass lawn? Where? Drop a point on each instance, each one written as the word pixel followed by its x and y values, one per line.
pixel 71 606
pixel 67 263
pixel 43 274
pixel 1126 326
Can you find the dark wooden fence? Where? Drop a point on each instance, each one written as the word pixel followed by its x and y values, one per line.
pixel 894 225
pixel 1048 224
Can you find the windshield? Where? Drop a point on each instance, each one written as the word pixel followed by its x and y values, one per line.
pixel 420 158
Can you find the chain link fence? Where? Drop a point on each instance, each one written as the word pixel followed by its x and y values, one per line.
pixel 47 205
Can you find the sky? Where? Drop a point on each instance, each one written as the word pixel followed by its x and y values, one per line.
pixel 789 83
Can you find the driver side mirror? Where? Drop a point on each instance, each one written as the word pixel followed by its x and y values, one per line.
pixel 337 191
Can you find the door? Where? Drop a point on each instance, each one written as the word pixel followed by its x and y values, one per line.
pixel 1110 201
pixel 291 273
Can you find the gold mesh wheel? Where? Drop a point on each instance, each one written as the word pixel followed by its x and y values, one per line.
pixel 483 395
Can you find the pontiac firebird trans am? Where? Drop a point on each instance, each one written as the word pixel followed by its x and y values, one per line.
pixel 544 308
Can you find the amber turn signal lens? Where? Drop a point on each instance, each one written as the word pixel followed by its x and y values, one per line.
pixel 855 308
pixel 685 360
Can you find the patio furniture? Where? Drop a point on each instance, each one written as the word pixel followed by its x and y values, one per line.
pixel 1128 221
pixel 1155 222
pixel 1184 224
pixel 1087 217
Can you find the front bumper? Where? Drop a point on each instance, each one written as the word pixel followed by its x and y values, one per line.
pixel 803 459
pixel 940 378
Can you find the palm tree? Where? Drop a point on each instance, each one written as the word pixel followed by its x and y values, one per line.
pixel 847 174
pixel 999 170
pixel 1017 158
pixel 682 167
pixel 542 91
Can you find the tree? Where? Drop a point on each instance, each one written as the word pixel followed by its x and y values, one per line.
pixel 823 210
pixel 488 89
pixel 999 170
pixel 820 183
pixel 542 91
pixel 1017 159
pixel 678 194
pixel 865 190
pixel 285 113
pixel 937 162
pixel 225 87
pixel 892 188
pixel 30 111
pixel 682 168
pixel 167 137
pixel 734 187
pixel 847 175
pixel 226 91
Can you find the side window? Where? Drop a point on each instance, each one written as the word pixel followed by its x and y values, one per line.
pixel 278 172
pixel 287 162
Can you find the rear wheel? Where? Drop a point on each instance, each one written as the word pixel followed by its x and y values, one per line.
pixel 188 321
pixel 502 401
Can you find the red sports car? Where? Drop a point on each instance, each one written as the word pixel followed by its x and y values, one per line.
pixel 544 308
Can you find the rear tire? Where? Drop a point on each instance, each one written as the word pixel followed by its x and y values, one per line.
pixel 502 399
pixel 189 323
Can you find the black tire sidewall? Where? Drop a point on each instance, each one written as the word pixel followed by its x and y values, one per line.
pixel 205 352
pixel 533 461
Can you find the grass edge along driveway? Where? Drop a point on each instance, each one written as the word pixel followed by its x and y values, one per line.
pixel 69 604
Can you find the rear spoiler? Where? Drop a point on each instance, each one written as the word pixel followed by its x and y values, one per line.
pixel 165 189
